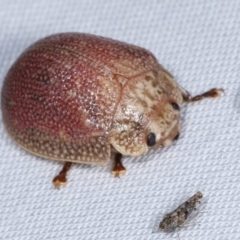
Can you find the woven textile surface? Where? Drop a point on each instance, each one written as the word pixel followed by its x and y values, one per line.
pixel 198 42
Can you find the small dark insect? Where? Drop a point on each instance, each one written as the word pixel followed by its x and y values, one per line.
pixel 179 215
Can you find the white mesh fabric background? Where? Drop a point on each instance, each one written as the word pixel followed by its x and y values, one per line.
pixel 198 41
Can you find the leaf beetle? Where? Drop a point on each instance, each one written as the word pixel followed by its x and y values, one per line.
pixel 78 98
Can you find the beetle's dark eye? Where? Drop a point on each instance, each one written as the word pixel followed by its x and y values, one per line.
pixel 175 106
pixel 151 139
pixel 176 137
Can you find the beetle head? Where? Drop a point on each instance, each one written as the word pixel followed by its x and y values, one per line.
pixel 148 114
pixel 163 127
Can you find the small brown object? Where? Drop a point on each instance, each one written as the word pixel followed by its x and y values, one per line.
pixel 118 166
pixel 61 178
pixel 177 217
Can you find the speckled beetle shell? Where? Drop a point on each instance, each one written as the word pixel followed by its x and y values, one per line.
pixel 76 97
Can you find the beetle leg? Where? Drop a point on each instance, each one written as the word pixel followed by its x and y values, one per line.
pixel 212 93
pixel 118 166
pixel 61 178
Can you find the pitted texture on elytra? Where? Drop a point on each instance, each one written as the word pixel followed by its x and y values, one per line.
pixel 59 91
pixel 90 150
pixel 101 53
pixel 179 215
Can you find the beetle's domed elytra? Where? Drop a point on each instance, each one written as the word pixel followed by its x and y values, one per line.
pixel 62 97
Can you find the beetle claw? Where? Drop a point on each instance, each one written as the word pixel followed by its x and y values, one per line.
pixel 117 171
pixel 118 167
pixel 59 181
pixel 61 178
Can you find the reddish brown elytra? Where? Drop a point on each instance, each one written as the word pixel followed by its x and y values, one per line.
pixel 78 97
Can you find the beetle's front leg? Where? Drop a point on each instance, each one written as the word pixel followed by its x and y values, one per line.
pixel 213 93
pixel 118 166
pixel 61 178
